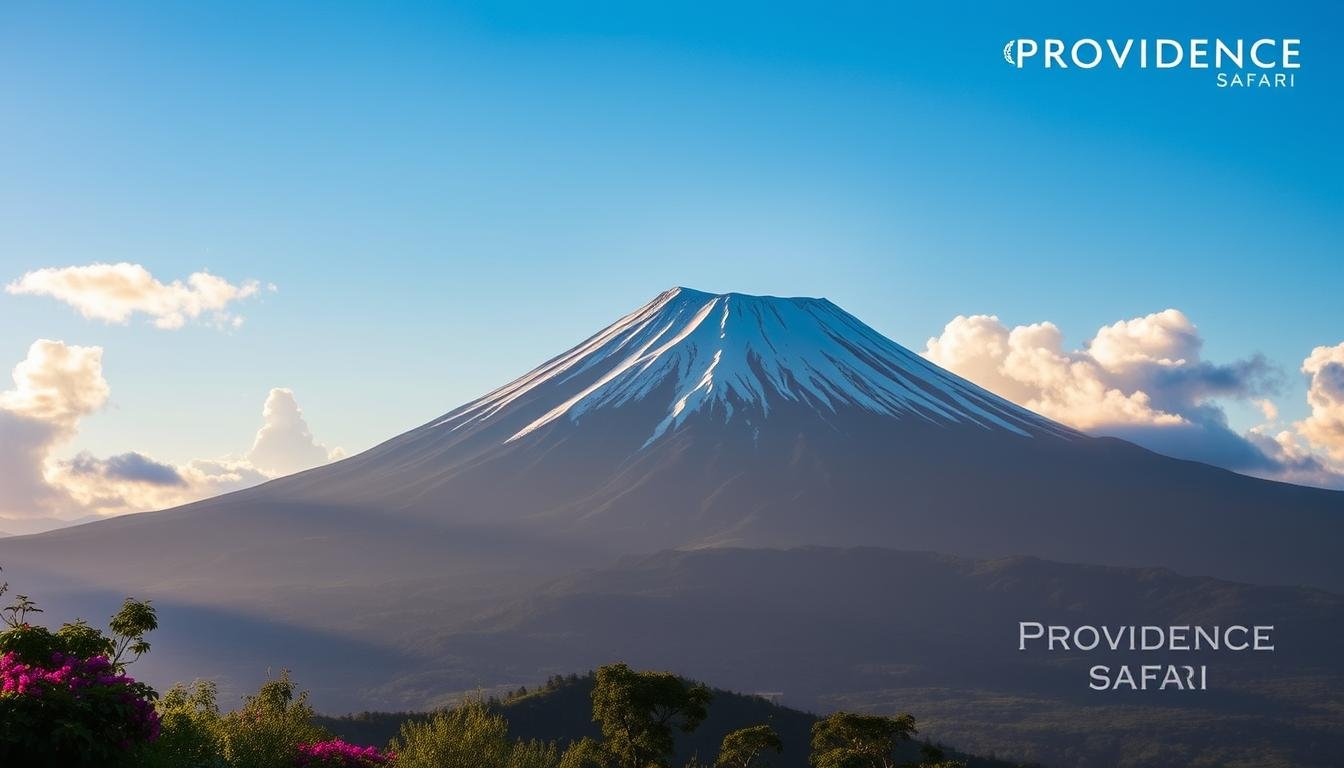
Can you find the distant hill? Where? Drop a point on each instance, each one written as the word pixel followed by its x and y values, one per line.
pixel 887 630
pixel 853 628
pixel 562 712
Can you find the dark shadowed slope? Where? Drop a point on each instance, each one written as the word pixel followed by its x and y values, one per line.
pixel 936 635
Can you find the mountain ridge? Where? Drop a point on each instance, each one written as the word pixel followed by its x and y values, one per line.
pixel 817 430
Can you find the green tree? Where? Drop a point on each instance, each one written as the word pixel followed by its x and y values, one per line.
pixel 468 736
pixel 267 730
pixel 191 731
pixel 585 753
pixel 747 748
pixel 848 740
pixel 640 711
pixel 129 627
pixel 534 754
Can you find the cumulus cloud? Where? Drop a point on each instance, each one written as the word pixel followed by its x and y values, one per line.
pixel 55 386
pixel 1165 338
pixel 1029 365
pixel 1325 394
pixel 1144 380
pixel 24 446
pixel 114 292
pixel 284 444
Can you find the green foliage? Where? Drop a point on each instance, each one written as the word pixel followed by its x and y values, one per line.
pixel 468 736
pixel 273 729
pixel 848 740
pixel 748 747
pixel 534 754
pixel 191 734
pixel 79 639
pixel 35 644
pixel 129 627
pixel 638 712
pixel 267 731
pixel 585 753
pixel 16 613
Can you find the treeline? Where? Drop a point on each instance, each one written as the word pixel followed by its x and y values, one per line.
pixel 639 714
pixel 66 701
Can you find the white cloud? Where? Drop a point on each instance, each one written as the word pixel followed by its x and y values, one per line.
pixel 55 387
pixel 1166 338
pixel 114 292
pixel 57 384
pixel 1324 428
pixel 284 444
pixel 25 444
pixel 1029 366
pixel 1143 379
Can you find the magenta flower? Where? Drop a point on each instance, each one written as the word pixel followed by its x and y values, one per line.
pixel 76 677
pixel 339 754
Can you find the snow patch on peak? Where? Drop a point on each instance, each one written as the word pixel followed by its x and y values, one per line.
pixel 736 354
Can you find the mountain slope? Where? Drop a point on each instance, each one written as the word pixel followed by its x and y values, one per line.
pixel 701 420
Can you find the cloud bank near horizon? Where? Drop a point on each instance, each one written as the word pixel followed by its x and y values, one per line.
pixel 56 386
pixel 1144 380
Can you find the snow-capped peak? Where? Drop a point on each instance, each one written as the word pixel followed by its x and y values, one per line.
pixel 734 354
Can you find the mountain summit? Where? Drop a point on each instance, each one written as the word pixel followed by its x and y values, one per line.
pixel 736 356
pixel 700 420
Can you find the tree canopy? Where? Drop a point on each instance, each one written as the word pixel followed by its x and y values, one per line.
pixel 748 747
pixel 849 740
pixel 639 713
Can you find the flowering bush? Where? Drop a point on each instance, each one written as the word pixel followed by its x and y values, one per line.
pixel 73 711
pixel 65 699
pixel 339 754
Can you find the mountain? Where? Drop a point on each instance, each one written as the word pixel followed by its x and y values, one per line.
pixel 704 420
pixel 705 423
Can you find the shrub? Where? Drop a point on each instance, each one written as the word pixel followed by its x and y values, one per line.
pixel 65 699
pixel 190 733
pixel 267 731
pixel 468 736
pixel 72 711
pixel 273 729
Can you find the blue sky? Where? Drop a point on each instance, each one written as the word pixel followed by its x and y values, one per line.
pixel 446 196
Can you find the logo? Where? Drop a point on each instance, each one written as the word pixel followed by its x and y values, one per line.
pixel 1260 63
